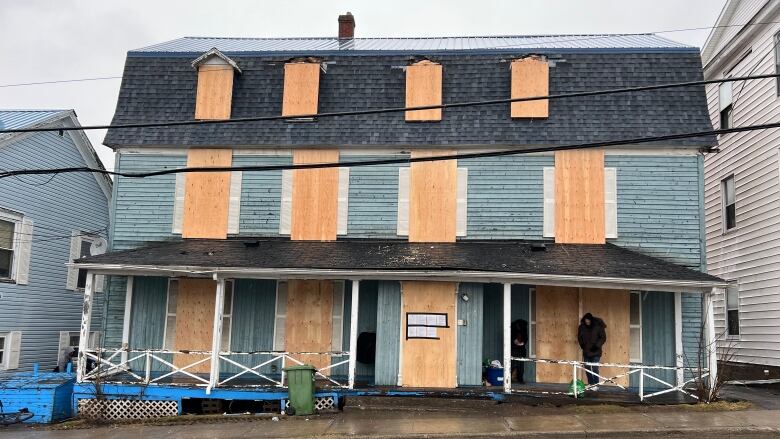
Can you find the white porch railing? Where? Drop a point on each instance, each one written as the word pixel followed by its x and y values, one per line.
pixel 111 368
pixel 641 371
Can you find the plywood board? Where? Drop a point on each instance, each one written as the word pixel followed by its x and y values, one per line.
pixel 579 197
pixel 215 92
pixel 315 196
pixel 301 89
pixel 530 77
pixel 423 87
pixel 194 321
pixel 207 195
pixel 308 326
pixel 433 198
pixel 557 319
pixel 428 362
pixel 612 306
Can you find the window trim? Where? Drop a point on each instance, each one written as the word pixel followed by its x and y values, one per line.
pixel 777 61
pixel 726 310
pixel 724 204
pixel 16 218
pixel 226 314
pixel 635 326
pixel 728 109
pixel 4 350
pixel 92 239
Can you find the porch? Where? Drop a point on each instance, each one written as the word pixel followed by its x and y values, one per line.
pixel 211 331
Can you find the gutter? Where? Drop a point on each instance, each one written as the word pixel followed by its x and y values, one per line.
pixel 420 275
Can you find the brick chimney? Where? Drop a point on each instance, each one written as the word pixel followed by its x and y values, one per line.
pixel 346 26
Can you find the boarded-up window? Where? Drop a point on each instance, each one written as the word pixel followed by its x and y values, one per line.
pixel 215 89
pixel 423 87
pixel 301 89
pixel 530 77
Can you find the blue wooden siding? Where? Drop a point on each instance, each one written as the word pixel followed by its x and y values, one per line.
pixel 261 195
pixel 114 311
pixel 67 203
pixel 469 353
pixel 373 198
pixel 388 333
pixel 658 337
pixel 147 317
pixel 658 206
pixel 252 326
pixel 505 199
pixel 144 206
pixel 493 338
pixel 693 350
pixel 367 320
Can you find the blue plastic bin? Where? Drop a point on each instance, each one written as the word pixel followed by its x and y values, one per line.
pixel 495 376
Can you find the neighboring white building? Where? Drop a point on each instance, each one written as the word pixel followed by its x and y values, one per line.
pixel 742 182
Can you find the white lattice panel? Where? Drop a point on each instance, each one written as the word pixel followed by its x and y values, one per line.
pixel 123 409
pixel 320 403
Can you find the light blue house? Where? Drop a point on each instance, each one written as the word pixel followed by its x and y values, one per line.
pixel 45 222
pixel 405 276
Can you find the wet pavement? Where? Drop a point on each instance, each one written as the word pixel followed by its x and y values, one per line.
pixel 750 423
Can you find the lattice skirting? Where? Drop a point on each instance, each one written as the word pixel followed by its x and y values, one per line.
pixel 320 403
pixel 123 409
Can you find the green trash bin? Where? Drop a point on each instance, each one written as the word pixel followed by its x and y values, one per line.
pixel 300 387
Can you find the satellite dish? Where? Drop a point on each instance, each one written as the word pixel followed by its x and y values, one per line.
pixel 98 247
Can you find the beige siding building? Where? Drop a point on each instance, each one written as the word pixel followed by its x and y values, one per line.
pixel 742 182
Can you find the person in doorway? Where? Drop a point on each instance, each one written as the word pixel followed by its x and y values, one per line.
pixel 592 334
pixel 519 349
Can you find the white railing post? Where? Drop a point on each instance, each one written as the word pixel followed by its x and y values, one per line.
pixel 126 320
pixel 216 339
pixel 86 323
pixel 678 344
pixel 641 384
pixel 284 362
pixel 574 379
pixel 507 337
pixel 353 329
pixel 147 367
pixel 710 342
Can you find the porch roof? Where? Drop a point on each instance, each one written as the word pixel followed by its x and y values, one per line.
pixel 479 261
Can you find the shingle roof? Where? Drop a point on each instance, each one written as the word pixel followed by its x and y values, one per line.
pixel 14 119
pixel 196 45
pixel 162 88
pixel 605 261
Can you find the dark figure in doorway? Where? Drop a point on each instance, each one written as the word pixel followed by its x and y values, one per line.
pixel 592 334
pixel 519 335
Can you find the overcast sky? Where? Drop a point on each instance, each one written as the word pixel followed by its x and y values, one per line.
pixel 59 39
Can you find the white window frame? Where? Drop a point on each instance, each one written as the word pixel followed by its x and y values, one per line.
pixel 531 322
pixel 637 326
pixel 227 318
pixel 726 101
pixel 15 218
pixel 724 203
pixel 280 315
pixel 732 307
pixel 4 349
pixel 777 61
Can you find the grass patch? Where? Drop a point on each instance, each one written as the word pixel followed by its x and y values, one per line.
pixel 719 406
pixel 599 409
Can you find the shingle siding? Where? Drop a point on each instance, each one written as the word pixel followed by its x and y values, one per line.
pixel 163 89
pixel 69 202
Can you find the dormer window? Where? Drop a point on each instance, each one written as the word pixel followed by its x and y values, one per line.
pixel 214 96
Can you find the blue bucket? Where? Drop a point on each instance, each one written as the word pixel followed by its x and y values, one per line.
pixel 495 376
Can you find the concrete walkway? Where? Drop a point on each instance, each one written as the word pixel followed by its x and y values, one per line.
pixel 753 423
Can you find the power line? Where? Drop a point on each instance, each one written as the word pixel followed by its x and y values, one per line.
pixel 391 109
pixel 61 81
pixel 349 164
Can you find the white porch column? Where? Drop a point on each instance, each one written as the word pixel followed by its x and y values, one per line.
pixel 126 321
pixel 216 338
pixel 710 341
pixel 86 323
pixel 507 337
pixel 679 354
pixel 353 332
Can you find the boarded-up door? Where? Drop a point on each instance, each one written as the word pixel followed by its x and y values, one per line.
pixel 470 314
pixel 612 306
pixel 557 319
pixel 194 321
pixel 308 326
pixel 429 362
